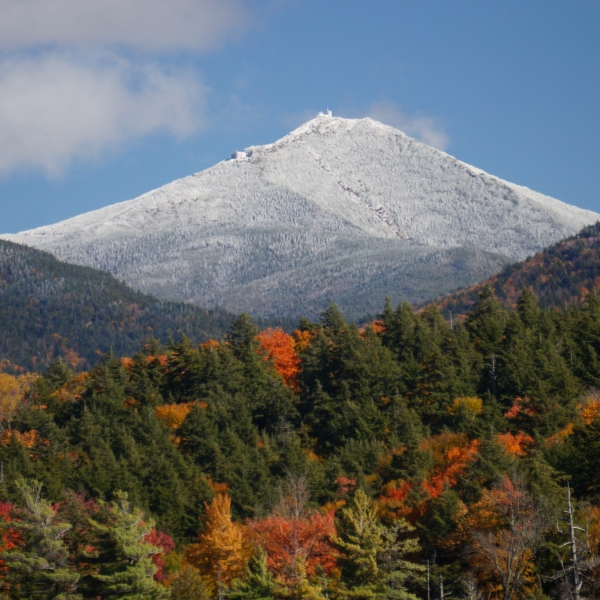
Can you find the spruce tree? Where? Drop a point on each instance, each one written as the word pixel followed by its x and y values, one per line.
pixel 241 337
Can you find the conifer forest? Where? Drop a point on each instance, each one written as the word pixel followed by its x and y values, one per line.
pixel 412 458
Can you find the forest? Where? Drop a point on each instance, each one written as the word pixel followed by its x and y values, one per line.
pixel 563 274
pixel 51 309
pixel 415 457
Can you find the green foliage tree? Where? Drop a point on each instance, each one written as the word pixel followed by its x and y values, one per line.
pixel 258 582
pixel 188 584
pixel 125 558
pixel 374 563
pixel 39 566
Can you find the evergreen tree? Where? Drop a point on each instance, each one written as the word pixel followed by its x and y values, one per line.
pixel 257 583
pixel 374 564
pixel 125 558
pixel 188 584
pixel 241 337
pixel 39 567
pixel 360 539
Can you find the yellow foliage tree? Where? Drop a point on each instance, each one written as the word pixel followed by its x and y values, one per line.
pixel 173 415
pixel 473 406
pixel 12 391
pixel 220 553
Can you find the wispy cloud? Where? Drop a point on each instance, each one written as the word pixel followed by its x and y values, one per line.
pixel 144 24
pixel 79 77
pixel 423 128
pixel 57 108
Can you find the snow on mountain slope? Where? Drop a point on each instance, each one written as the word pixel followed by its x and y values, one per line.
pixel 340 209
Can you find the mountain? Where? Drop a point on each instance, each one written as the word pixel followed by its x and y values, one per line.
pixel 348 210
pixel 562 275
pixel 49 309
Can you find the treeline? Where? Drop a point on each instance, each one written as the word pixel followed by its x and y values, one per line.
pixel 562 275
pixel 342 463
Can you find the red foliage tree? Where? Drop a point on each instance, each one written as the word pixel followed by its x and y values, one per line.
pixel 297 542
pixel 164 541
pixel 9 538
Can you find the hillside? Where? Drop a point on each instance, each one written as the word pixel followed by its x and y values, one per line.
pixel 280 465
pixel 562 275
pixel 49 308
pixel 344 210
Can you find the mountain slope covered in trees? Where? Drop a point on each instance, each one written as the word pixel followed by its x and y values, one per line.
pixel 342 210
pixel 333 463
pixel 562 275
pixel 49 308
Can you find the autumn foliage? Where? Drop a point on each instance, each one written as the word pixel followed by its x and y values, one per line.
pixel 173 415
pixel 516 444
pixel 297 541
pixel 451 453
pixel 220 552
pixel 280 347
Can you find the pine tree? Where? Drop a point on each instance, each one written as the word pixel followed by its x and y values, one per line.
pixel 373 564
pixel 360 540
pixel 39 567
pixel 392 562
pixel 127 570
pixel 257 583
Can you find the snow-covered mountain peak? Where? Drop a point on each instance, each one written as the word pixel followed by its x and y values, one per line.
pixel 339 209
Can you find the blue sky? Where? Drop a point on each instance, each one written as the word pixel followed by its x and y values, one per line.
pixel 103 100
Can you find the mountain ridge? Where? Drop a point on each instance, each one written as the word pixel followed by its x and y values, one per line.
pixel 564 274
pixel 320 215
pixel 50 309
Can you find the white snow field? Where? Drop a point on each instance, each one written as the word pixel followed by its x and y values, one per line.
pixel 344 210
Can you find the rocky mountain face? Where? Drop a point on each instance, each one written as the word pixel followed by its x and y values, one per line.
pixel 344 210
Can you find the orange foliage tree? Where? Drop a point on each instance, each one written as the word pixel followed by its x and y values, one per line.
pixel 221 553
pixel 451 454
pixel 297 541
pixel 279 347
pixel 590 407
pixel 503 531
pixel 393 503
pixel 517 444
pixel 28 439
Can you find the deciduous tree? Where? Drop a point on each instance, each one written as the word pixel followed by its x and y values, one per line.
pixel 220 552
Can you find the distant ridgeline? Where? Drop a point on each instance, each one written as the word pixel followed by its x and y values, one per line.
pixel 49 308
pixel 562 275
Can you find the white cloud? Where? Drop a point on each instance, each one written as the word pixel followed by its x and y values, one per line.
pixel 71 89
pixel 145 24
pixel 424 129
pixel 56 108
